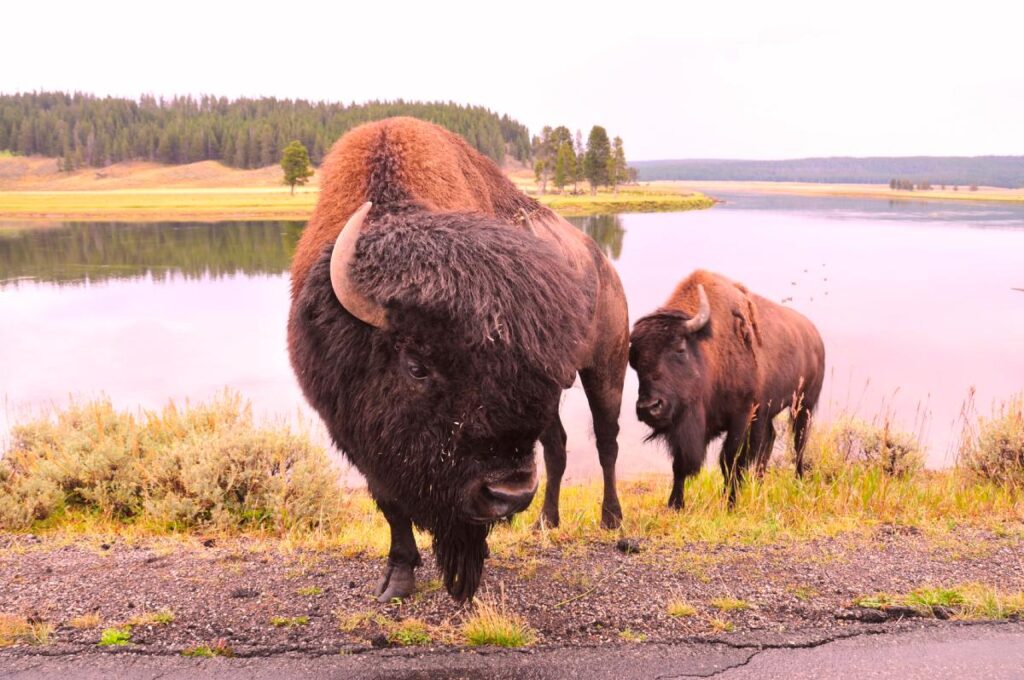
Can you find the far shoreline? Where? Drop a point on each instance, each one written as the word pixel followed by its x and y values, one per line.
pixel 834 190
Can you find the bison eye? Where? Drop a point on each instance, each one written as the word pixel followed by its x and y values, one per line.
pixel 416 369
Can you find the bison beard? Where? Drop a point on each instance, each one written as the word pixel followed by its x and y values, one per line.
pixel 460 550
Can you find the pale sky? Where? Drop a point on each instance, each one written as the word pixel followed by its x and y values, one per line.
pixel 770 79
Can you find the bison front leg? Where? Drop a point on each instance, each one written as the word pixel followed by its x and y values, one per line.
pixel 403 557
pixel 730 458
pixel 687 457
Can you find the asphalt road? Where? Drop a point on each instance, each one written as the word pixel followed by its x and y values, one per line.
pixel 983 651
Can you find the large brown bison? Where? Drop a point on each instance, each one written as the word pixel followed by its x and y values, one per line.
pixel 716 359
pixel 437 315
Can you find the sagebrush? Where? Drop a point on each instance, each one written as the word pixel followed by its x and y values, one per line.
pixel 204 465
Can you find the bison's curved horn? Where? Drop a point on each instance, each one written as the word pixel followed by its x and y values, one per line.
pixel 703 313
pixel 359 306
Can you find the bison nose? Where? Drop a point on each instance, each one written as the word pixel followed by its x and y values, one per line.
pixel 508 500
pixel 507 496
pixel 650 407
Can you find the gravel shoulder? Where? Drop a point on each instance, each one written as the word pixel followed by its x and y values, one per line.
pixel 227 591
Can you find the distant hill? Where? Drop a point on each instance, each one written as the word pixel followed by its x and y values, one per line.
pixel 88 131
pixel 995 171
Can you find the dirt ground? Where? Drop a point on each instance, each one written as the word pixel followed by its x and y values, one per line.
pixel 226 591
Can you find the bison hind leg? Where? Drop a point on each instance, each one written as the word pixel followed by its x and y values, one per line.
pixel 553 440
pixel 801 426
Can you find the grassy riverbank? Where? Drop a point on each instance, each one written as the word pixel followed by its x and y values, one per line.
pixel 31 190
pixel 200 531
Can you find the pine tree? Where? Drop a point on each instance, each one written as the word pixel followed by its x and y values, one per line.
pixel 617 169
pixel 295 163
pixel 544 160
pixel 565 165
pixel 595 162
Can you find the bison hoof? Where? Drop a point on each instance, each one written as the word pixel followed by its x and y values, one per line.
pixel 675 503
pixel 546 521
pixel 398 582
pixel 611 519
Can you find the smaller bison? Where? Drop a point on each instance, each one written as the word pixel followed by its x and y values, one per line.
pixel 720 359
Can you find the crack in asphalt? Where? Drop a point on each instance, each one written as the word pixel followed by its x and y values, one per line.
pixel 712 674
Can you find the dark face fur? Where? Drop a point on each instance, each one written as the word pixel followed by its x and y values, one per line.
pixel 669 364
pixel 441 409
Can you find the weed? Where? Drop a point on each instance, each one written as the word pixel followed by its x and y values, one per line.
pixel 115 637
pixel 628 635
pixel 289 621
pixel 995 452
pixel 85 621
pixel 310 591
pixel 729 604
pixel 681 609
pixel 409 632
pixel 970 601
pixel 218 647
pixel 158 618
pixel 721 625
pixel 493 624
pixel 20 630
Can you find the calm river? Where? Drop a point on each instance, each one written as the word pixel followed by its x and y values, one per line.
pixel 915 301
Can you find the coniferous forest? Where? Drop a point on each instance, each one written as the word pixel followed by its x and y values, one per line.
pixel 86 130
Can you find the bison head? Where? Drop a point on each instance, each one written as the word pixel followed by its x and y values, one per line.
pixel 668 358
pixel 436 346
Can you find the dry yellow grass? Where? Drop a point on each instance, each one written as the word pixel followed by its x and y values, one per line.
pixel 32 190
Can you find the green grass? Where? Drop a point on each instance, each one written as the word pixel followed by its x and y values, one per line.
pixel 628 200
pixel 115 637
pixel 492 624
pixel 289 621
pixel 310 591
pixel 970 601
pixel 409 632
pixel 216 648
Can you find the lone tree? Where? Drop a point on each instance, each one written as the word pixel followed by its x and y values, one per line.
pixel 595 161
pixel 295 163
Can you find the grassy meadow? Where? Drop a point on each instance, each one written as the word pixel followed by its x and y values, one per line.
pixel 32 190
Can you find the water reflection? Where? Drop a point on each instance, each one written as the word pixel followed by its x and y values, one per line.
pixel 79 252
pixel 915 303
pixel 606 230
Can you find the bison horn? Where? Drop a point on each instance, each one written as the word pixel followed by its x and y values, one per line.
pixel 358 305
pixel 703 313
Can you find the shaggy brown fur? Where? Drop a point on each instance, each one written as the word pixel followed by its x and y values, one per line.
pixel 752 359
pixel 493 303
